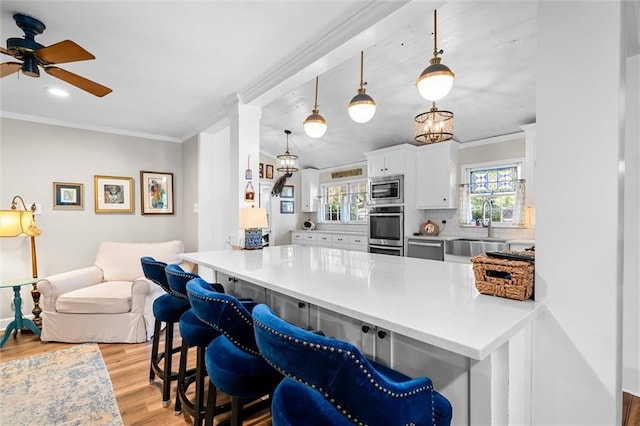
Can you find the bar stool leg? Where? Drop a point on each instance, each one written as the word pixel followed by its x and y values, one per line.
pixel 168 355
pixel 154 349
pixel 182 373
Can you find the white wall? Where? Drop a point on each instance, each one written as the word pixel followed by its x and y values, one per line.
pixel 577 346
pixel 36 155
pixel 631 298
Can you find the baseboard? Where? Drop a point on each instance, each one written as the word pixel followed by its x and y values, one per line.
pixel 4 322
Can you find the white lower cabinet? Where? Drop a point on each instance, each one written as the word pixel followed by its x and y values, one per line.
pixel 289 309
pixel 341 327
pixel 332 240
pixel 239 288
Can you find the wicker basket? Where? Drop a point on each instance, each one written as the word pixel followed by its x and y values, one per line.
pixel 512 279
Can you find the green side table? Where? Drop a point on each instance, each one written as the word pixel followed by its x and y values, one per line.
pixel 19 321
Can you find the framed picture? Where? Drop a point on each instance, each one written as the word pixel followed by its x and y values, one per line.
pixel 269 171
pixel 261 171
pixel 287 191
pixel 286 206
pixel 156 190
pixel 68 196
pixel 113 194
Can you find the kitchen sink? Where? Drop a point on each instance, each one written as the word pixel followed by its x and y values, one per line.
pixel 474 246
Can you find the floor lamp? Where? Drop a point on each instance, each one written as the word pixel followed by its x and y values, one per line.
pixel 21 222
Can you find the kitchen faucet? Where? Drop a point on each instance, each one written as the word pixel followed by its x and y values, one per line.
pixel 487 223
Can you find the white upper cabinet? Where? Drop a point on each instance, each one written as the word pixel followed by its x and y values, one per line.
pixel 436 176
pixel 385 163
pixel 388 161
pixel 310 183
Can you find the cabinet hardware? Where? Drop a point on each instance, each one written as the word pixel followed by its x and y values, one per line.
pixel 301 305
pixel 382 334
pixel 365 329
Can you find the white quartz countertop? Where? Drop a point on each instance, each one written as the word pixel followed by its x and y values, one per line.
pixel 430 301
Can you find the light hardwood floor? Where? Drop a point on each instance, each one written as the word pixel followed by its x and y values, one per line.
pixel 139 401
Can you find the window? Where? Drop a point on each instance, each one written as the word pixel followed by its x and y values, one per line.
pixel 501 186
pixel 345 202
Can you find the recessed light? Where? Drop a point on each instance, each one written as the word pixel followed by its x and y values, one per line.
pixel 56 91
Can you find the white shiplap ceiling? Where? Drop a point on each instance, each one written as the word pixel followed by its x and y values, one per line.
pixel 175 66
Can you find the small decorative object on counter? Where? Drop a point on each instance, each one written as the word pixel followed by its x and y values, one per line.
pixel 504 277
pixel 429 228
pixel 309 225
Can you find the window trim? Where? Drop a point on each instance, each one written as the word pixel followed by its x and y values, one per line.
pixel 346 183
pixel 466 169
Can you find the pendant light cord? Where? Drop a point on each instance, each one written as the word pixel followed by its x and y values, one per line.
pixel 362 82
pixel 436 52
pixel 316 100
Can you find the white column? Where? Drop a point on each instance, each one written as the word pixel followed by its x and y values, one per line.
pixel 244 123
pixel 579 139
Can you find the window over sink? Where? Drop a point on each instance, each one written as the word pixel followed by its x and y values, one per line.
pixel 499 184
pixel 344 202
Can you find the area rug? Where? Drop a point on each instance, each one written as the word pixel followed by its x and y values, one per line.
pixel 65 387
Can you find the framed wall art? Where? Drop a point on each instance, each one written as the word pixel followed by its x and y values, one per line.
pixel 287 191
pixel 68 196
pixel 286 206
pixel 156 189
pixel 261 170
pixel 113 194
pixel 269 172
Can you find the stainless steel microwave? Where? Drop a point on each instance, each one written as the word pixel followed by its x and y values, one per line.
pixel 386 190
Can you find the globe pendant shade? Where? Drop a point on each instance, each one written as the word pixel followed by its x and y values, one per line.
pixel 435 82
pixel 362 107
pixel 315 126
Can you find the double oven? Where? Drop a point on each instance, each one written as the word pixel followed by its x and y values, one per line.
pixel 386 215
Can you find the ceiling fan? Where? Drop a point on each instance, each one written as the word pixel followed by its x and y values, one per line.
pixel 33 54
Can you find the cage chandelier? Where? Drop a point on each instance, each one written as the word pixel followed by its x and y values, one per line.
pixel 433 126
pixel 287 163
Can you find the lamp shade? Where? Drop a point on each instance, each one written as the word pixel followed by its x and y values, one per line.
pixel 15 223
pixel 362 107
pixel 315 126
pixel 253 218
pixel 436 81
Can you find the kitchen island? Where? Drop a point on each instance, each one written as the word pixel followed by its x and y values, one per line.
pixel 426 316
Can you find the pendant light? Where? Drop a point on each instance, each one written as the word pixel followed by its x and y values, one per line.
pixel 362 107
pixel 315 125
pixel 436 80
pixel 287 163
pixel 433 126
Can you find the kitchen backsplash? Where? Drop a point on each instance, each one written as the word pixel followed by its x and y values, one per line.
pixel 451 228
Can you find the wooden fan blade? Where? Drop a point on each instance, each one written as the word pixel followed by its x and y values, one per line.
pixel 9 68
pixel 80 82
pixel 5 51
pixel 65 51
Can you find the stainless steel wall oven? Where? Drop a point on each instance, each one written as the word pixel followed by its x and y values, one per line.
pixel 386 230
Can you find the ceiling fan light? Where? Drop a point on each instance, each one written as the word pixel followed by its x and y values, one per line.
pixel 30 67
pixel 315 126
pixel 436 81
pixel 362 107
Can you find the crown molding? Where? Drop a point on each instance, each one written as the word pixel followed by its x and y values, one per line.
pixel 102 129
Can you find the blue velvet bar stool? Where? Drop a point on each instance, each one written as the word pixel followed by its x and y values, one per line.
pixel 233 361
pixel 167 308
pixel 196 334
pixel 330 382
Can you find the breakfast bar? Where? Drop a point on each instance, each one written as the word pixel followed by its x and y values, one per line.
pixel 426 316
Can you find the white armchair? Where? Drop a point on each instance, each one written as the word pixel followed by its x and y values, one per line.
pixel 108 302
